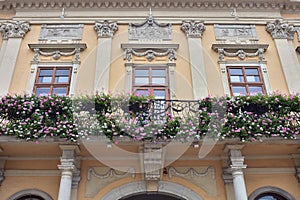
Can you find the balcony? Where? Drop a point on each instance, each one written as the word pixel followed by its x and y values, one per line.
pixel 139 119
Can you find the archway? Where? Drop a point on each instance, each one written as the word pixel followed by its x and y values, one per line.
pixel 131 191
pixel 30 194
pixel 270 192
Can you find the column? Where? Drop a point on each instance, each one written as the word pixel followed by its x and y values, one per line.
pixel 2 166
pixel 68 168
pixel 236 161
pixel 13 32
pixel 193 31
pixel 228 180
pixel 105 31
pixel 283 34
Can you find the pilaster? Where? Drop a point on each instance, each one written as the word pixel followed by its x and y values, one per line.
pixel 236 161
pixel 193 31
pixel 13 32
pixel 105 31
pixel 2 169
pixel 69 171
pixel 283 34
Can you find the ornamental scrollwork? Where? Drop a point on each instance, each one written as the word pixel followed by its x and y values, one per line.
pixel 193 28
pixel 14 29
pixel 241 54
pixel 105 29
pixel 280 29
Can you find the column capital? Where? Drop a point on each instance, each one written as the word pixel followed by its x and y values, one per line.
pixel 192 28
pixel 105 29
pixel 280 29
pixel 14 29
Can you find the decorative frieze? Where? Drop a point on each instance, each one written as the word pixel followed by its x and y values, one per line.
pixel 203 177
pixel 100 177
pixel 240 51
pixel 61 32
pixel 150 30
pixel 280 29
pixel 193 28
pixel 105 29
pixel 14 29
pixel 236 34
pixel 149 51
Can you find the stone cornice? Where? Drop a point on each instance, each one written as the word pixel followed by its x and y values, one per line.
pixel 283 5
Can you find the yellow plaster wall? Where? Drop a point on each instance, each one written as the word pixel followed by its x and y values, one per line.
pixel 12 185
pixel 287 182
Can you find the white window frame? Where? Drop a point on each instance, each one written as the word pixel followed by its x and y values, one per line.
pixel 225 78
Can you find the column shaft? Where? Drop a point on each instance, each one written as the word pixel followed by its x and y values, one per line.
pixel 65 185
pixel 239 185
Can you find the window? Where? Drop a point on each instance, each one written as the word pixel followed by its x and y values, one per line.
pixel 53 80
pixel 245 80
pixel 270 196
pixel 151 81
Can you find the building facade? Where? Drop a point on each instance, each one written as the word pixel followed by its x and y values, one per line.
pixel 175 50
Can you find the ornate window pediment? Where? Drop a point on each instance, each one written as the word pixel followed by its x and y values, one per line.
pixel 57 50
pixel 149 51
pixel 240 50
pixel 150 30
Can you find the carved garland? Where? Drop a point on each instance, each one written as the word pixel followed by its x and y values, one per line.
pixel 241 54
pixel 149 54
pixel 57 54
pixel 191 172
pixel 110 173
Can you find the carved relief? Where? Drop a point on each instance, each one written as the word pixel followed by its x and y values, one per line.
pixel 149 30
pixel 99 177
pixel 200 176
pixel 235 33
pixel 193 28
pixel 105 28
pixel 14 29
pixel 280 29
pixel 61 32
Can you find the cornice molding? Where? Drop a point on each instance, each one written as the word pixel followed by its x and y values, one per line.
pixel 284 5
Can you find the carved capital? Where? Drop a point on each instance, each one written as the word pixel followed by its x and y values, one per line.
pixel 14 29
pixel 193 28
pixel 281 30
pixel 105 29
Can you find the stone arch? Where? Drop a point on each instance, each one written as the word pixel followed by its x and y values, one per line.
pixel 270 189
pixel 164 187
pixel 26 192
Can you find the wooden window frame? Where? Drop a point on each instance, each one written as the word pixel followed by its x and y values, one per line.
pixel 53 84
pixel 151 87
pixel 246 84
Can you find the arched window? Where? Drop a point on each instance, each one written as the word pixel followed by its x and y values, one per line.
pixel 270 193
pixel 30 194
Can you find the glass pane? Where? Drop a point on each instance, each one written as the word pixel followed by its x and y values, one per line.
pixel 269 197
pixel 158 72
pixel 46 72
pixel 45 79
pixel 62 72
pixel 159 94
pixel 251 71
pixel 159 81
pixel 253 79
pixel 61 79
pixel 141 81
pixel 238 90
pixel 255 89
pixel 43 91
pixel 236 78
pixel 61 91
pixel 142 92
pixel 235 71
pixel 141 72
